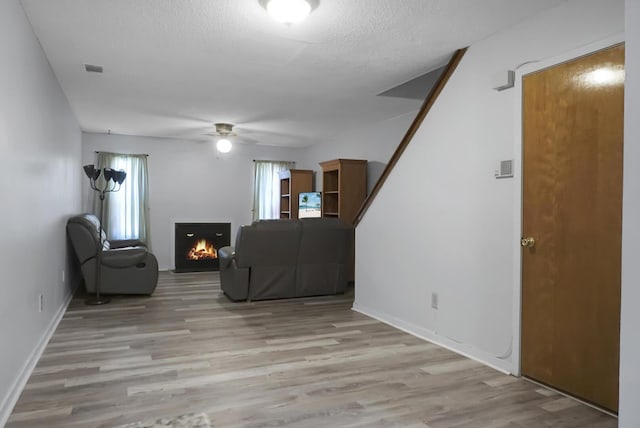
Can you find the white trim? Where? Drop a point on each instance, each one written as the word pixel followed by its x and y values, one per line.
pixel 468 351
pixel 10 400
pixel 517 176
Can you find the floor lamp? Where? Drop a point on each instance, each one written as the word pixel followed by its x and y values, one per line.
pixel 111 183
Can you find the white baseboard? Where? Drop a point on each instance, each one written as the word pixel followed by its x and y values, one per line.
pixel 430 336
pixel 11 398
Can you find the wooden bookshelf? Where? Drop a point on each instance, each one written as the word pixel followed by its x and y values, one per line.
pixel 292 183
pixel 344 188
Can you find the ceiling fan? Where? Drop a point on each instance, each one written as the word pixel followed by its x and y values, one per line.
pixel 224 131
pixel 246 133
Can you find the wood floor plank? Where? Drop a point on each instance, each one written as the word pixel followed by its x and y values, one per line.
pixel 309 362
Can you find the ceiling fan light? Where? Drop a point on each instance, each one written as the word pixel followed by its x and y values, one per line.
pixel 223 145
pixel 288 11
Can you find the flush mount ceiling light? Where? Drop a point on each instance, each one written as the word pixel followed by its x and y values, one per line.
pixel 223 145
pixel 289 11
pixel 224 130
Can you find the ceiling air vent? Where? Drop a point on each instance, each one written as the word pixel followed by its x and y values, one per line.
pixel 90 68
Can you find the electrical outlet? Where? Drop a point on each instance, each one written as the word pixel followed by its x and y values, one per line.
pixel 434 300
pixel 40 302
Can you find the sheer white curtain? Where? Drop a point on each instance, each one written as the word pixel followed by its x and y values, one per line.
pixel 126 212
pixel 266 188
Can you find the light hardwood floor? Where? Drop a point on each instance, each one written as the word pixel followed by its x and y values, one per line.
pixel 295 363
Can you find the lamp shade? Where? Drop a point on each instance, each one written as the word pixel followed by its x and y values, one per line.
pixel 90 171
pixel 119 176
pixel 108 174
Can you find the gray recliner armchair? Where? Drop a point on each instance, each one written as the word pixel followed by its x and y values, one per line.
pixel 127 265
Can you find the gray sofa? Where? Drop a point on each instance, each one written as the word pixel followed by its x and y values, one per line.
pixel 275 259
pixel 127 266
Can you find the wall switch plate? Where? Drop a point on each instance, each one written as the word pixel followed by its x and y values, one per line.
pixel 63 276
pixel 40 302
pixel 434 300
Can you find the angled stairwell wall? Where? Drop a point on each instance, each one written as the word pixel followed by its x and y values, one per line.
pixel 442 223
pixel 445 73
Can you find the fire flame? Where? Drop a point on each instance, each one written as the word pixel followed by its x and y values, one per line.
pixel 202 250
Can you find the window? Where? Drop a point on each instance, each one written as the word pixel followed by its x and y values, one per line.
pixel 266 188
pixel 126 212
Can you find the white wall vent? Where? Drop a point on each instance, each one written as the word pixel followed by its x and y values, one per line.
pixel 506 169
pixel 90 68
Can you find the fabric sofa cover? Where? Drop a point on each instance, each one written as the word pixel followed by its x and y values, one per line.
pixel 275 259
pixel 127 266
pixel 323 257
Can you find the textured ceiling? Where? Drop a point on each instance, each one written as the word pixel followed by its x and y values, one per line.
pixel 173 67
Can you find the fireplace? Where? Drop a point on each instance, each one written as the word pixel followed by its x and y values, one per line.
pixel 197 244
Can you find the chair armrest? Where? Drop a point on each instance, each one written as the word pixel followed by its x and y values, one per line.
pixel 124 257
pixel 226 255
pixel 227 252
pixel 121 243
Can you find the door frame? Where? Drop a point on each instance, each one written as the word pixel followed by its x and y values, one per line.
pixel 525 69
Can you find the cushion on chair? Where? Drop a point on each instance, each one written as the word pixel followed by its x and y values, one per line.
pixel 124 257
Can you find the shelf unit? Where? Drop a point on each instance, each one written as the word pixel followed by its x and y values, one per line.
pixel 344 188
pixel 292 182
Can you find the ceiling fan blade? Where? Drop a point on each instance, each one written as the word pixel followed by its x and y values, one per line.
pixel 245 140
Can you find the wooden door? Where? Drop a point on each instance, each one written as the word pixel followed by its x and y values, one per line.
pixel 572 207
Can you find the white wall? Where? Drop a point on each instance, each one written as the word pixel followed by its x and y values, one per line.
pixel 189 182
pixel 375 143
pixel 629 411
pixel 442 223
pixel 40 187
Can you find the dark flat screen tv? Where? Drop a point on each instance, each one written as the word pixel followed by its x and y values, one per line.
pixel 309 204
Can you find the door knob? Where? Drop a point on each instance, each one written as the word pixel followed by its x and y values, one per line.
pixel 528 242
